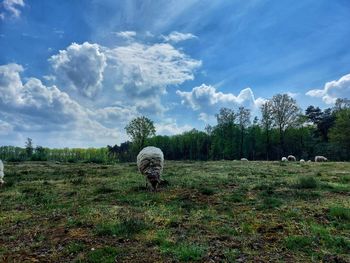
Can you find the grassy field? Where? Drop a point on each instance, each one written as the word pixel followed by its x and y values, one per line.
pixel 225 211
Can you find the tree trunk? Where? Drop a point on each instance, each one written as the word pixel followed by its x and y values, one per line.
pixel 281 142
pixel 241 148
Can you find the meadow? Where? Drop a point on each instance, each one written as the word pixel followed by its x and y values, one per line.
pixel 217 211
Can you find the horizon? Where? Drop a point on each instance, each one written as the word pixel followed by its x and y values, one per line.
pixel 73 74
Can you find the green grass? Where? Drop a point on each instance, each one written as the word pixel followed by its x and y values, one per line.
pixel 222 211
pixel 307 183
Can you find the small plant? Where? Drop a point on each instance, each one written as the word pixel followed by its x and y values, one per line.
pixel 301 243
pixel 188 252
pixel 340 213
pixel 126 228
pixel 103 255
pixel 74 247
pixel 307 183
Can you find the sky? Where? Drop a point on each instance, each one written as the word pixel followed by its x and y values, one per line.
pixel 74 73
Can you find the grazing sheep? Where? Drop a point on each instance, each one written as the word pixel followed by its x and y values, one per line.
pixel 291 158
pixel 302 161
pixel 1 173
pixel 284 159
pixel 320 159
pixel 150 162
pixel 244 159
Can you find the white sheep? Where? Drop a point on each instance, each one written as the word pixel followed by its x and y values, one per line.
pixel 302 161
pixel 284 159
pixel 291 158
pixel 150 162
pixel 244 159
pixel 320 159
pixel 2 173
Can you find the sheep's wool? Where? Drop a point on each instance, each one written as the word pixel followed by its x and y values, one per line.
pixel 1 172
pixel 320 159
pixel 284 159
pixel 291 158
pixel 150 162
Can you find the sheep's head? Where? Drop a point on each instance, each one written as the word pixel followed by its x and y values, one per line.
pixel 153 177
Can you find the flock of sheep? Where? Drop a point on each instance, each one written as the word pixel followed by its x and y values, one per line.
pixel 150 162
pixel 292 158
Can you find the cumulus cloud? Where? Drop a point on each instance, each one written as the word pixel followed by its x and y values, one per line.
pixel 11 8
pixel 81 67
pixel 332 90
pixel 113 114
pixel 141 68
pixel 170 127
pixel 33 106
pixel 177 37
pixel 206 96
pixel 137 71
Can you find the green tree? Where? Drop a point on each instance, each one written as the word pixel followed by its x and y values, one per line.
pixel 339 134
pixel 29 147
pixel 266 122
pixel 139 129
pixel 285 113
pixel 243 119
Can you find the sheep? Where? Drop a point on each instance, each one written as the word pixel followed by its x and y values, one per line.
pixel 2 173
pixel 284 159
pixel 244 159
pixel 302 161
pixel 309 161
pixel 291 158
pixel 320 159
pixel 150 162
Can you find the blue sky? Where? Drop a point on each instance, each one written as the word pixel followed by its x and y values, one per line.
pixel 73 73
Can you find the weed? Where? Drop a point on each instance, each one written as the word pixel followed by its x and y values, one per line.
pixel 126 228
pixel 103 255
pixel 339 213
pixel 307 183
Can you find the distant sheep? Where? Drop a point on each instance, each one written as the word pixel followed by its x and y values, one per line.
pixel 244 159
pixel 302 161
pixel 150 162
pixel 284 159
pixel 2 173
pixel 291 158
pixel 320 159
pixel 309 161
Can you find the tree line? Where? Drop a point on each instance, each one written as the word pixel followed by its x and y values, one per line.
pixel 282 129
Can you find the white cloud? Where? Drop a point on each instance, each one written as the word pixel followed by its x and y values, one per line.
pixel 177 37
pixel 332 90
pixel 292 94
pixel 81 67
pixel 128 35
pixel 143 72
pixel 32 106
pixel 141 67
pixel 206 118
pixel 114 114
pixel 11 8
pixel 5 127
pixel 170 127
pixel 206 96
